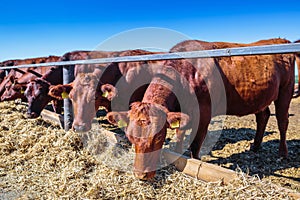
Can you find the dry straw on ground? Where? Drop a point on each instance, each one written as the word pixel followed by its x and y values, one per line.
pixel 38 160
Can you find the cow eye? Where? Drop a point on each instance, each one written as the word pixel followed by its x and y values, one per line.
pixel 143 122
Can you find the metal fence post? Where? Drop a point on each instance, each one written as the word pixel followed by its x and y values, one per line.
pixel 68 77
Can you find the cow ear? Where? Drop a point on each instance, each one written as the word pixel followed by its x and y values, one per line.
pixel 60 91
pixel 109 91
pixel 119 119
pixel 20 87
pixel 177 120
pixel 23 88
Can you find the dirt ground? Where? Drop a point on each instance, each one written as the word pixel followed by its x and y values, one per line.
pixel 232 149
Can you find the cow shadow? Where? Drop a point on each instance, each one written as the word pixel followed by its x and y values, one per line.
pixel 265 162
pixel 220 138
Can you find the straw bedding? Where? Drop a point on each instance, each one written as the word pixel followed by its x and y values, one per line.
pixel 38 160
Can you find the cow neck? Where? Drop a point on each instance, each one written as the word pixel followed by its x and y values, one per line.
pixel 111 74
pixel 33 73
pixel 20 71
pixel 25 78
pixel 158 93
pixel 53 76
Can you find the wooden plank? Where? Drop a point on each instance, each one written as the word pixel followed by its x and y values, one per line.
pixel 198 169
pixel 54 117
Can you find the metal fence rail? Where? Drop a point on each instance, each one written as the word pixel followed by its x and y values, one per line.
pixel 241 51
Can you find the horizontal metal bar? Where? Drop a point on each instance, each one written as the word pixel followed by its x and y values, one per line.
pixel 241 51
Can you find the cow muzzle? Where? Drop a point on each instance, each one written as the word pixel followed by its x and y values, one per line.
pixel 81 128
pixel 145 165
pixel 145 176
pixel 32 115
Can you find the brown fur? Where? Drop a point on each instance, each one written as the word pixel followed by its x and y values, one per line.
pixel 17 73
pixel 251 83
pixel 13 89
pixel 40 87
pixel 101 75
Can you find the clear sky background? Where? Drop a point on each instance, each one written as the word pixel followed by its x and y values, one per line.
pixel 40 28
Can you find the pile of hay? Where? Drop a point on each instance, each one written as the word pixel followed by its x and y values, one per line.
pixel 38 160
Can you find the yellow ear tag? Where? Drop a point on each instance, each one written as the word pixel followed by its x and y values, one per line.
pixel 64 95
pixel 175 124
pixel 105 94
pixel 122 124
pixel 22 91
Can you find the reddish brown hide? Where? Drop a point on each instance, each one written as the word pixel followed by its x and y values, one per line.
pixel 37 89
pixel 16 73
pixel 82 91
pixel 91 90
pixel 15 87
pixel 247 85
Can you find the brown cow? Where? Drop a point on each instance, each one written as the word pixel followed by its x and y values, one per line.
pixel 238 85
pixel 37 89
pixel 16 73
pixel 15 87
pixel 91 90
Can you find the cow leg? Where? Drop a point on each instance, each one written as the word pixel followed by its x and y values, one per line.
pixel 57 106
pixel 197 137
pixel 198 141
pixel 282 116
pixel 179 140
pixel 261 123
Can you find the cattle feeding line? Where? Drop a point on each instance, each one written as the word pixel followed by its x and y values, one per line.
pixel 68 66
pixel 226 52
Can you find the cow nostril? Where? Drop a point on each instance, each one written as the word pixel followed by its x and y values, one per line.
pixel 145 176
pixel 31 115
pixel 81 128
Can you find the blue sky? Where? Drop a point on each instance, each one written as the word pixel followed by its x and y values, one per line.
pixel 40 28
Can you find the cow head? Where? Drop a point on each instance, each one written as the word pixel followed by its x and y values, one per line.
pixel 37 96
pixel 13 90
pixel 86 96
pixel 146 125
